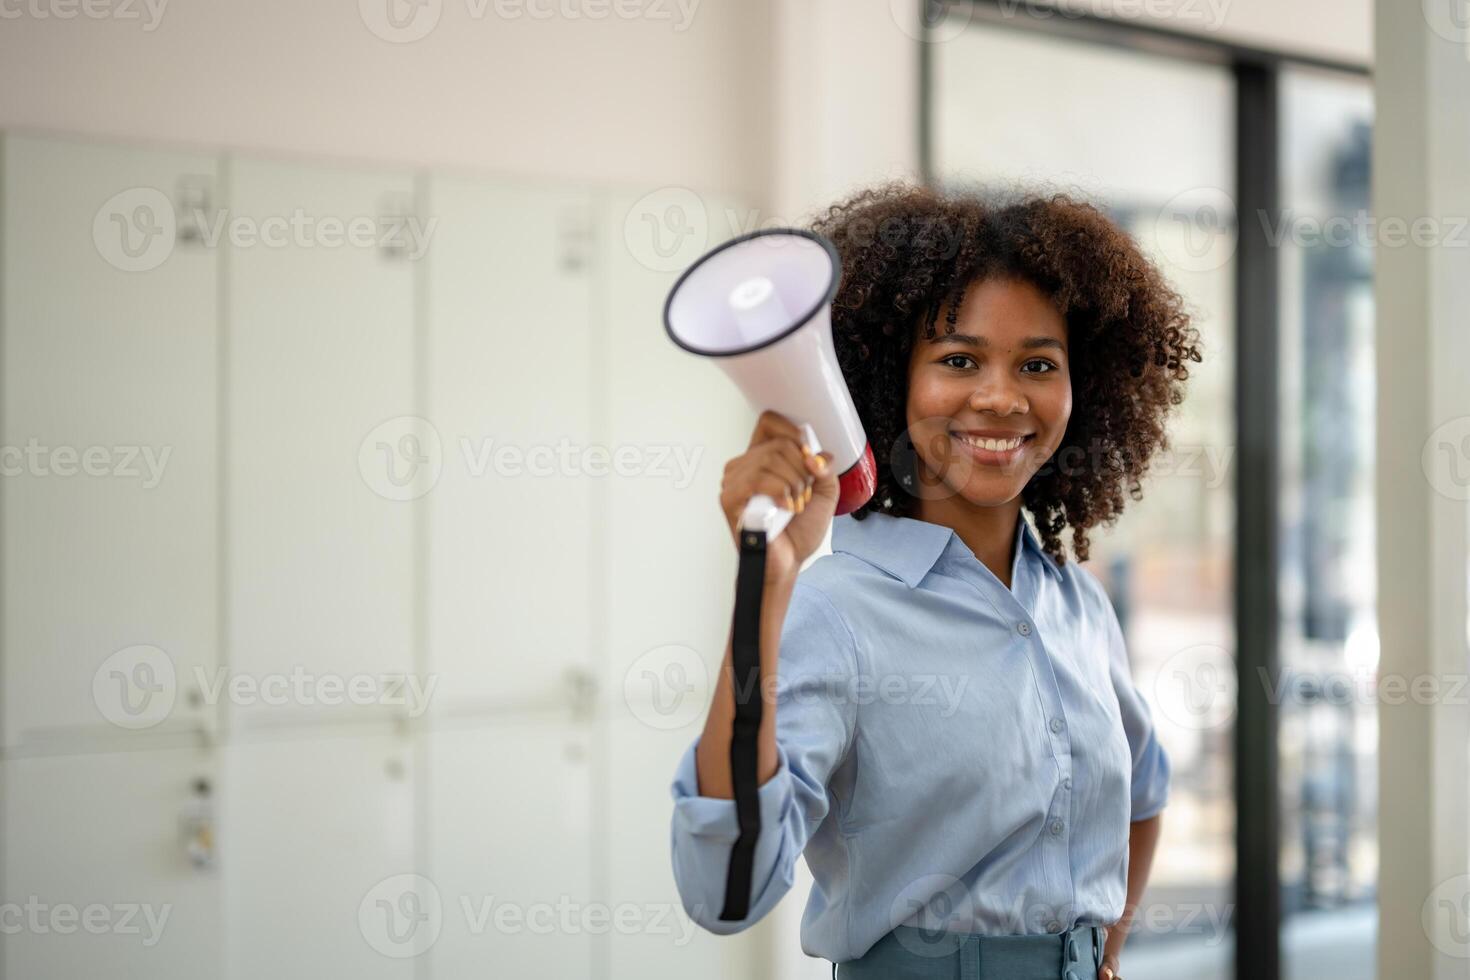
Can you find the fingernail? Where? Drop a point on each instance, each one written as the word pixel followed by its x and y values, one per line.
pixel 806 450
pixel 821 464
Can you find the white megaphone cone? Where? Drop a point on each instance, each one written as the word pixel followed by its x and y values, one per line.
pixel 760 305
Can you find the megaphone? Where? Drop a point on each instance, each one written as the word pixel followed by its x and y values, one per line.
pixel 760 306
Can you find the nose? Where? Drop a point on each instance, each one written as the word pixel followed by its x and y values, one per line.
pixel 998 393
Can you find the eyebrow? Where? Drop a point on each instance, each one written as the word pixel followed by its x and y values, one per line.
pixel 1028 344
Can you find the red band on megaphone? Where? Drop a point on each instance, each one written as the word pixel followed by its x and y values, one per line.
pixel 856 486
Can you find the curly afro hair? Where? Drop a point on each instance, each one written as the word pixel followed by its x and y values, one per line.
pixel 908 252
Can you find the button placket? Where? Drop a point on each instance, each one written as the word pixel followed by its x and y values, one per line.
pixel 1054 839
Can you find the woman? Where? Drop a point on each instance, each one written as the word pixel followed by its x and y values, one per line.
pixel 951 735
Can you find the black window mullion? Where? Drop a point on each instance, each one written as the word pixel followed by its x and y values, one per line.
pixel 1257 912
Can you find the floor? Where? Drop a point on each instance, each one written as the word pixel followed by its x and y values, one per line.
pixel 1336 945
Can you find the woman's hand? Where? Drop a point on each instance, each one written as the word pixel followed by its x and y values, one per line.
pixel 779 465
pixel 1109 968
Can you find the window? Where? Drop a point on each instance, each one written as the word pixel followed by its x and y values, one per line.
pixel 1184 140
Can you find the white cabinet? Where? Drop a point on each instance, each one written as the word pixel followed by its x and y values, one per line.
pixel 515 373
pixel 110 436
pixel 510 810
pixel 96 859
pixel 321 574
pixel 357 425
pixel 317 834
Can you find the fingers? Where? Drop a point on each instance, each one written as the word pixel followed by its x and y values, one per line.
pixel 766 473
pixel 790 477
pixel 771 425
pixel 818 477
pixel 778 464
pixel 773 484
pixel 819 465
pixel 813 467
pixel 788 457
pixel 779 486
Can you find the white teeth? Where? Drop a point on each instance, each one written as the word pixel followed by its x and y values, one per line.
pixel 994 445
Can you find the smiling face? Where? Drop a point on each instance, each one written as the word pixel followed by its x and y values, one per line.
pixel 989 403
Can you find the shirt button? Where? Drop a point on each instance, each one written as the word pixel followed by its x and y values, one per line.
pixel 1053 926
pixel 1056 724
pixel 1023 628
pixel 1067 782
pixel 1056 828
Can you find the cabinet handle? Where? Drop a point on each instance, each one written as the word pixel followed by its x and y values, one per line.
pixel 395 211
pixel 196 825
pixel 193 192
pixel 581 687
pixel 574 239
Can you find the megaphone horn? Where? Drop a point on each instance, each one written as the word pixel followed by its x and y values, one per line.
pixel 760 305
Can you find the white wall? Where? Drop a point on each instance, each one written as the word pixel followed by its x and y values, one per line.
pixel 785 103
pixel 673 97
pixel 845 110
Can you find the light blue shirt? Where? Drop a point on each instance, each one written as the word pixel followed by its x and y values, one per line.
pixel 951 753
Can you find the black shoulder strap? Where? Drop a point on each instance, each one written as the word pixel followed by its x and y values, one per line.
pixel 746 660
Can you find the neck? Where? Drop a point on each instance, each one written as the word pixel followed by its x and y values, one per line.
pixel 990 532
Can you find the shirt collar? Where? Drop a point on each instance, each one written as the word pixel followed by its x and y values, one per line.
pixel 907 548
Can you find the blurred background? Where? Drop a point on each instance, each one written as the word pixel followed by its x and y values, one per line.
pixel 363 571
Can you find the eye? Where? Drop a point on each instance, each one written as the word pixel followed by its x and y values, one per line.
pixel 966 360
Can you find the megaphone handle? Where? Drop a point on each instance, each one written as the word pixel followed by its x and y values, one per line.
pixel 762 513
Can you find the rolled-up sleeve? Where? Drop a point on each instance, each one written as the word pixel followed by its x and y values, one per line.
pixel 816 719
pixel 1150 785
